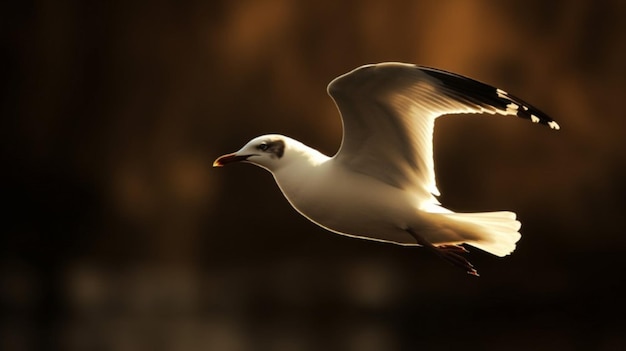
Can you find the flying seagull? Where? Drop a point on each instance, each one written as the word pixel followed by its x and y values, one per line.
pixel 380 185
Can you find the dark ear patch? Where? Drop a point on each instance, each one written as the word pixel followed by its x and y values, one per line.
pixel 277 148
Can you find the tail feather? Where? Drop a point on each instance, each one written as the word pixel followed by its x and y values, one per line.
pixel 493 232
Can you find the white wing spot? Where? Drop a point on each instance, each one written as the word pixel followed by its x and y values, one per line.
pixel 554 125
pixel 512 108
pixel 534 118
pixel 501 93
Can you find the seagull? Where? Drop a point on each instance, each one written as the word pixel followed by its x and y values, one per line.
pixel 380 185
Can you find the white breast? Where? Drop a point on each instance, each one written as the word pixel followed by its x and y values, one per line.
pixel 346 202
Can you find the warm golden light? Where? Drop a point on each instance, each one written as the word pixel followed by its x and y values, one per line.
pixel 118 234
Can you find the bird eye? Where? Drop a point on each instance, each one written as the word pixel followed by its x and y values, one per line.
pixel 263 147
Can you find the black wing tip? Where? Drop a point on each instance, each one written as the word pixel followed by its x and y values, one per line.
pixel 525 110
pixel 483 94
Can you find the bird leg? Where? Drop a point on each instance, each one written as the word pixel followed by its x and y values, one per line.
pixel 458 249
pixel 450 253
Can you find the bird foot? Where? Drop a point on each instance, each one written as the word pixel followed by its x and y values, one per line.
pixel 450 253
pixel 453 256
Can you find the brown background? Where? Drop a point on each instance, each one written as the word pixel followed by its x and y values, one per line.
pixel 118 234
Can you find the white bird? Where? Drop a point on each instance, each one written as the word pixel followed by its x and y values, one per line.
pixel 380 185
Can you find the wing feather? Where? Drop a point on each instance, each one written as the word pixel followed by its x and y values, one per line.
pixel 388 112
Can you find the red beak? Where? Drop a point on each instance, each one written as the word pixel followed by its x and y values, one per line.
pixel 230 158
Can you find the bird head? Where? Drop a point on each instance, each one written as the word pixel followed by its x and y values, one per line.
pixel 266 151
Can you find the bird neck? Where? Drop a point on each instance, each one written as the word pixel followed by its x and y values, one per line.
pixel 299 176
pixel 300 164
pixel 302 156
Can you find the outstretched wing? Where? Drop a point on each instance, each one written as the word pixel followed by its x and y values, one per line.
pixel 388 112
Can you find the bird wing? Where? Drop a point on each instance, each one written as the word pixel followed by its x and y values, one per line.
pixel 388 112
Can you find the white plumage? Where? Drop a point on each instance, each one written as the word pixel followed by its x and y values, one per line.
pixel 381 183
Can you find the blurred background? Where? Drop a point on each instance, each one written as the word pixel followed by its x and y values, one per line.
pixel 119 235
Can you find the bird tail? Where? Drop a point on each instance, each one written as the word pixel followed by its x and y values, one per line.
pixel 493 232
